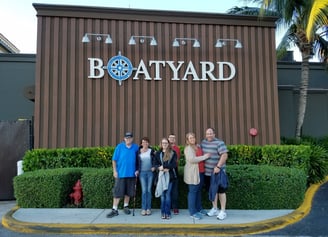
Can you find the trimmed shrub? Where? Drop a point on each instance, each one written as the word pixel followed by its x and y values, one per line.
pixel 45 188
pixel 244 155
pixel 97 185
pixel 292 156
pixel 319 156
pixel 96 157
pixel 265 187
pixel 251 187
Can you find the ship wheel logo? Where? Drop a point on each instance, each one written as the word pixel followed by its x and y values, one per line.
pixel 119 68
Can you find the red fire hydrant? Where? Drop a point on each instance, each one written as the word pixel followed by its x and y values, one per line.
pixel 77 194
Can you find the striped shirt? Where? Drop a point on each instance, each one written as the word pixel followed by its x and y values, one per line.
pixel 216 147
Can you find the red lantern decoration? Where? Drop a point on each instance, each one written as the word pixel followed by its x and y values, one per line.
pixel 253 132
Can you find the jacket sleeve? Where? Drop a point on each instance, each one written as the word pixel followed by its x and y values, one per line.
pixel 138 161
pixel 157 160
pixel 152 157
pixel 191 157
pixel 172 163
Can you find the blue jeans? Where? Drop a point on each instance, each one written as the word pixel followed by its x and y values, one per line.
pixel 146 181
pixel 195 196
pixel 166 201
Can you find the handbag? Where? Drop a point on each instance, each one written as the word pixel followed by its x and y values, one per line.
pixel 223 180
pixel 218 180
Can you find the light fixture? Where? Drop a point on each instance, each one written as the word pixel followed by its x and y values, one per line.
pixel 178 41
pixel 99 37
pixel 222 42
pixel 142 38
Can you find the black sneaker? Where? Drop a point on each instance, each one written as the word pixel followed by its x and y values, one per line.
pixel 127 210
pixel 112 213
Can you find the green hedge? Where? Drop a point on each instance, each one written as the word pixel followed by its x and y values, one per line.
pixel 96 157
pixel 45 188
pixel 296 156
pixel 251 187
pixel 97 188
pixel 311 158
pixel 265 187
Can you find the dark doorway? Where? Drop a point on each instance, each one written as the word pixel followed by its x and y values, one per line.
pixel 16 138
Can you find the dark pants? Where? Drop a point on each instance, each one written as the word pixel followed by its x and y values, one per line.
pixel 175 194
pixel 207 182
pixel 199 205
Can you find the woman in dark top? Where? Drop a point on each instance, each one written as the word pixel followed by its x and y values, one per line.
pixel 165 163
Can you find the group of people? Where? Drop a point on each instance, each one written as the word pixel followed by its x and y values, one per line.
pixel 160 168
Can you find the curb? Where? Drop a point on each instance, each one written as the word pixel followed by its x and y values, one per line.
pixel 169 229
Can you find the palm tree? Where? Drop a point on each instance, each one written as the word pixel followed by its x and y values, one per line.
pixel 307 28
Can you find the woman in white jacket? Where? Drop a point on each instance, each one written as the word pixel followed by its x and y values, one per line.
pixel 191 174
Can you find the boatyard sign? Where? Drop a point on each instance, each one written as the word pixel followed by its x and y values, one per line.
pixel 120 68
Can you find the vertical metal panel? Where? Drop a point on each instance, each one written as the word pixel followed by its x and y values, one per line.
pixel 73 110
pixel 82 71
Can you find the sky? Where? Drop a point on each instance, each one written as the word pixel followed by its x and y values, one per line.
pixel 18 21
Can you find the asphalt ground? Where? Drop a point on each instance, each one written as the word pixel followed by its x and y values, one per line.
pixel 299 222
pixel 313 224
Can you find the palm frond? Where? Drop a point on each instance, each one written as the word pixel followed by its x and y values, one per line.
pixel 321 46
pixel 317 16
pixel 286 8
pixel 285 42
pixel 251 11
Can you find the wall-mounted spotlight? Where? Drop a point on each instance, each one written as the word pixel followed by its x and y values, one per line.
pixel 142 38
pixel 222 42
pixel 177 41
pixel 99 37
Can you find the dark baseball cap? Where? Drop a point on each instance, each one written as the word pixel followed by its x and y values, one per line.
pixel 128 134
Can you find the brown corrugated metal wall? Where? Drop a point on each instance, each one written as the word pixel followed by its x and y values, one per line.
pixel 72 110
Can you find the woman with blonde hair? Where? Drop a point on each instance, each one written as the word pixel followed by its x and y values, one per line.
pixel 192 176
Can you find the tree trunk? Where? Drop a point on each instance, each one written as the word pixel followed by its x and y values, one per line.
pixel 303 96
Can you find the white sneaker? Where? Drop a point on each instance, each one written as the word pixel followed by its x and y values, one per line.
pixel 222 215
pixel 213 212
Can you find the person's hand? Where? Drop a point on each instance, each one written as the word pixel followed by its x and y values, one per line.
pixel 152 169
pixel 115 174
pixel 207 155
pixel 166 170
pixel 161 168
pixel 217 170
pixel 136 173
